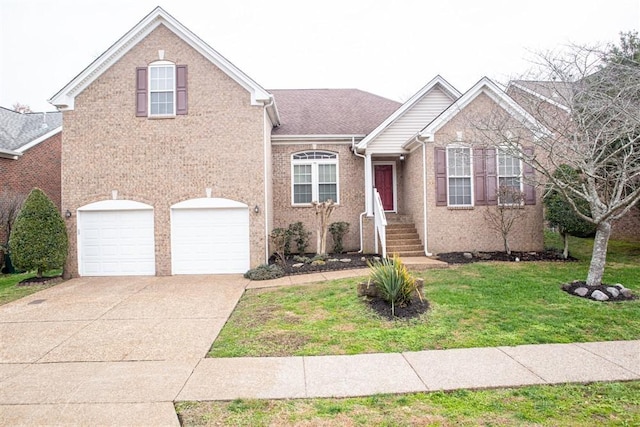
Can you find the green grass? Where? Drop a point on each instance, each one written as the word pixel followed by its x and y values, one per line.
pixel 562 405
pixel 476 305
pixel 10 291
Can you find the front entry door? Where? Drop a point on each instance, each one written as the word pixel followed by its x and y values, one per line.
pixel 383 181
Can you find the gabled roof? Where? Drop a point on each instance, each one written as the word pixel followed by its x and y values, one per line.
pixel 489 88
pixel 329 112
pixel 436 81
pixel 65 98
pixel 554 93
pixel 19 132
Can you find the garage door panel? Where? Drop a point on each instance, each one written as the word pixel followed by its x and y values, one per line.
pixel 210 241
pixel 116 243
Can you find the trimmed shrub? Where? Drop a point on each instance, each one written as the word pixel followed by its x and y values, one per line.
pixel 39 238
pixel 299 234
pixel 393 281
pixel 264 272
pixel 338 230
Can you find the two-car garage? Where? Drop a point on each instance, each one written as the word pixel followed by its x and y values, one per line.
pixel 208 236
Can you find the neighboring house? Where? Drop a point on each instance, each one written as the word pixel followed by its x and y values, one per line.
pixel 546 99
pixel 30 152
pixel 176 162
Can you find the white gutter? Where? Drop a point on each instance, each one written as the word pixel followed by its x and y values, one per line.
pixel 353 148
pixel 320 137
pixel 9 154
pixel 266 140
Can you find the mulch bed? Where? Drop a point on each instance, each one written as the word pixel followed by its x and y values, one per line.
pixel 460 258
pixel 403 312
pixel 356 262
pixel 40 281
pixel 571 287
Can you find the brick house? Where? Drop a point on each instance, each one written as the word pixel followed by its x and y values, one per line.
pixel 30 152
pixel 176 162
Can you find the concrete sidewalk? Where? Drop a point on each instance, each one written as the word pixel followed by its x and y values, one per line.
pixel 422 371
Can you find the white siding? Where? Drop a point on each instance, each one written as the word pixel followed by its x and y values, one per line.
pixel 411 122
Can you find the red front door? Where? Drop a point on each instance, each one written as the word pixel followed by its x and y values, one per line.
pixel 383 181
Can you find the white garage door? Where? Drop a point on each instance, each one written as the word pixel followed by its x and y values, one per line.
pixel 209 236
pixel 116 238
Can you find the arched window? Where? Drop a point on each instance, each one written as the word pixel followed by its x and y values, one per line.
pixel 314 177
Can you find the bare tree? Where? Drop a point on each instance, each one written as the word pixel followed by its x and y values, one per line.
pixel 588 111
pixel 10 205
pixel 503 216
pixel 323 212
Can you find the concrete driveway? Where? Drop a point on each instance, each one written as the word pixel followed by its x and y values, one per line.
pixel 108 350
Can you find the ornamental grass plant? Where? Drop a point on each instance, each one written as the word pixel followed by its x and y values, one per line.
pixel 394 282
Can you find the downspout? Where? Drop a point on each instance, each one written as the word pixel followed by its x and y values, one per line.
pixel 353 148
pixel 423 142
pixel 267 140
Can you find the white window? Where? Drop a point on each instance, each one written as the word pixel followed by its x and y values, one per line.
pixel 459 176
pixel 509 178
pixel 314 177
pixel 162 89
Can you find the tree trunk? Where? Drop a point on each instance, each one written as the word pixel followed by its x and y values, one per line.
pixel 39 272
pixel 565 252
pixel 507 249
pixel 599 255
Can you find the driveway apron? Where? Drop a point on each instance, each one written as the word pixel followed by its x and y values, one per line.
pixel 105 349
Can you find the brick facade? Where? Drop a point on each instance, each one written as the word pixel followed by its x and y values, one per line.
pixel 38 167
pixel 351 192
pixel 453 229
pixel 219 144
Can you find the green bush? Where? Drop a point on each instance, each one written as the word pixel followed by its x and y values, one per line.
pixel 303 259
pixel 39 237
pixel 264 272
pixel 338 230
pixel 280 242
pixel 300 236
pixel 392 279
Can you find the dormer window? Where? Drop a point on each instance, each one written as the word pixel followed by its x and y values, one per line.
pixel 161 90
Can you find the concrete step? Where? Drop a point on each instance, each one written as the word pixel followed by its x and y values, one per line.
pixel 403 241
pixel 393 218
pixel 403 236
pixel 394 228
pixel 406 253
pixel 401 248
pixel 422 263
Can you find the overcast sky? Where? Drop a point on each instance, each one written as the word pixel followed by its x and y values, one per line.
pixel 388 47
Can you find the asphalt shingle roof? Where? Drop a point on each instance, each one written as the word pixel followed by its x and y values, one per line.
pixel 17 130
pixel 330 111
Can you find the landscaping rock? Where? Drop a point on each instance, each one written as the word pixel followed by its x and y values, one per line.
pixel 599 295
pixel 333 260
pixel 613 291
pixel 601 292
pixel 581 291
pixel 626 293
pixel 468 255
pixel 298 265
pixel 376 258
pixel 345 260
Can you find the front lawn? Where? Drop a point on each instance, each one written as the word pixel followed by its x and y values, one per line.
pixel 10 291
pixel 566 405
pixel 476 305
